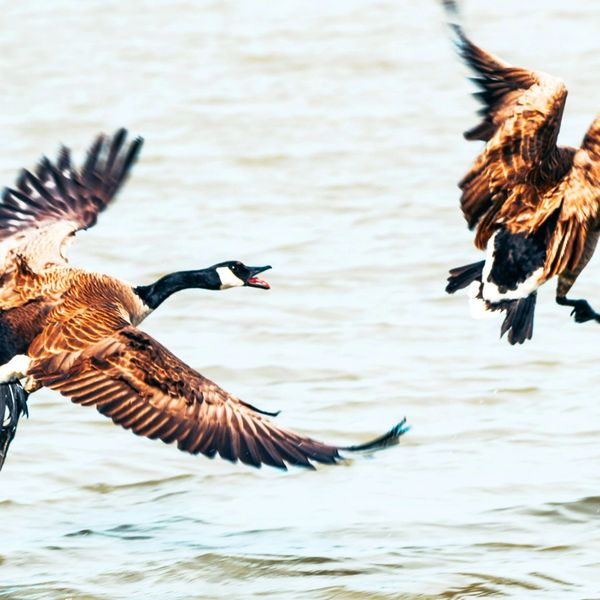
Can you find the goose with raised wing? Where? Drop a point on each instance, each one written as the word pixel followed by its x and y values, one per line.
pixel 76 331
pixel 535 205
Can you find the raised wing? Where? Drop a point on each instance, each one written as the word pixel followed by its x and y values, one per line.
pixel 577 200
pixel 140 385
pixel 521 116
pixel 46 207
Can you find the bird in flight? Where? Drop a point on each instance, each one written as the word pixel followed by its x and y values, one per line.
pixel 76 331
pixel 535 205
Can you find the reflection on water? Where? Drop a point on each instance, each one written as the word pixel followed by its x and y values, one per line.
pixel 324 140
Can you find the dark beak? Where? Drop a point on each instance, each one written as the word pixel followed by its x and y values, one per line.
pixel 254 281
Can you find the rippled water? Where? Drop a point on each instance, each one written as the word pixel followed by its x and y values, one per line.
pixel 323 138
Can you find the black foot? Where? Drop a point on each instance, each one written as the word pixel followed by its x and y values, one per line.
pixel 582 311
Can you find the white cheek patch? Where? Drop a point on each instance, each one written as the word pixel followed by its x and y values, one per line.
pixel 228 279
pixel 15 368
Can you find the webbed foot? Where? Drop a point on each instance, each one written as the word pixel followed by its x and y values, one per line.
pixel 582 311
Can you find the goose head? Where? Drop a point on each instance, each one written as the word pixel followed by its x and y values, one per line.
pixel 221 276
pixel 234 273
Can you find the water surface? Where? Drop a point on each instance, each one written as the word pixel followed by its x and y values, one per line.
pixel 324 139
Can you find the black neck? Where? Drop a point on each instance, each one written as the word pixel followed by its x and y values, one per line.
pixel 155 294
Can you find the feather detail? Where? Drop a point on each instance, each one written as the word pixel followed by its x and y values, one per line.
pixel 47 206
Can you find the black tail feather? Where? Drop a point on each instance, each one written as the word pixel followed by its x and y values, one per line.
pixel 391 438
pixel 519 319
pixel 13 403
pixel 461 277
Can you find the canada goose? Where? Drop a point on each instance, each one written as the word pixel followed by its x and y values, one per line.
pixel 76 332
pixel 535 204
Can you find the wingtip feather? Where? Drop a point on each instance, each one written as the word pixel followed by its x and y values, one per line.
pixel 391 438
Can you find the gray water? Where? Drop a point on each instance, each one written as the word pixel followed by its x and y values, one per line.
pixel 324 139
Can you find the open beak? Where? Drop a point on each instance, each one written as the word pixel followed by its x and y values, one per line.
pixel 254 281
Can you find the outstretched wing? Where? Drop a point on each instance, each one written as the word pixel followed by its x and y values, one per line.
pixel 521 116
pixel 577 200
pixel 48 205
pixel 140 385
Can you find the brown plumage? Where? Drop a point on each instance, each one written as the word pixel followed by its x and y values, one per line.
pixel 79 329
pixel 535 205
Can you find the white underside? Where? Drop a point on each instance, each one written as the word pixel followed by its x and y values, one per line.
pixel 491 292
pixel 477 306
pixel 15 368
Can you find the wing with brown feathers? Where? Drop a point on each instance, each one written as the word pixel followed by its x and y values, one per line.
pixel 577 199
pixel 591 141
pixel 46 207
pixel 141 386
pixel 521 118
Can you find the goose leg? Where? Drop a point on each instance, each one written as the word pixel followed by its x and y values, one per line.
pixel 582 311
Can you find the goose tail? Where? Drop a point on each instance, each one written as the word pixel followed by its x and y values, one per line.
pixel 461 277
pixel 519 319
